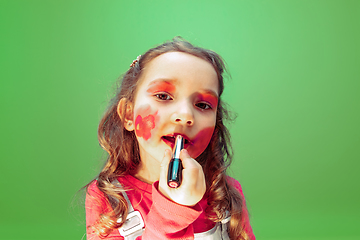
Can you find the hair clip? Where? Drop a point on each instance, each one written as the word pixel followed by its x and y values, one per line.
pixel 135 61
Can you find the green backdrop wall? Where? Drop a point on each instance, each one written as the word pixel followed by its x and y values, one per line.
pixel 295 87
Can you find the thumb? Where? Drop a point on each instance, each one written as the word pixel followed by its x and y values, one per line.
pixel 164 166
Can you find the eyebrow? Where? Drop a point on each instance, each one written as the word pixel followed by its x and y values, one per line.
pixel 167 80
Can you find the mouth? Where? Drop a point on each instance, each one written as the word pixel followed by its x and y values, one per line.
pixel 170 140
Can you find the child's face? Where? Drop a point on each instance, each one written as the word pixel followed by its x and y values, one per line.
pixel 177 94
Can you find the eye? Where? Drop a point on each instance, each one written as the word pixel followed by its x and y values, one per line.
pixel 203 105
pixel 163 96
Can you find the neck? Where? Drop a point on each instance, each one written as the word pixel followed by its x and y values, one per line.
pixel 148 171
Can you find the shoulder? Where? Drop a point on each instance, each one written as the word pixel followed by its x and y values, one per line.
pixel 93 193
pixel 233 182
pixel 93 188
pixel 95 198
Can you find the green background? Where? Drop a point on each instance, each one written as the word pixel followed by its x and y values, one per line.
pixel 295 87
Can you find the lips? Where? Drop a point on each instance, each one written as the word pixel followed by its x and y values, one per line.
pixel 170 139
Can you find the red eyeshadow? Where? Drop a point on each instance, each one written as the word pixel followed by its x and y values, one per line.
pixel 161 86
pixel 208 97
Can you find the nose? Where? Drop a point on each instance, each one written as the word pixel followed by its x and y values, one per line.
pixel 183 115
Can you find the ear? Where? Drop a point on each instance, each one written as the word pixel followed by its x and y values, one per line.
pixel 125 112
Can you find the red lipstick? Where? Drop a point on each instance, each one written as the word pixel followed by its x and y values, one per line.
pixel 175 167
pixel 170 140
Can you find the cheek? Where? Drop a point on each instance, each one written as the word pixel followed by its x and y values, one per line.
pixel 201 141
pixel 145 121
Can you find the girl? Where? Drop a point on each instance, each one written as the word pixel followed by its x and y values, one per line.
pixel 173 89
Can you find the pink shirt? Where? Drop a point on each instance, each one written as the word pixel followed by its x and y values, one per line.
pixel 164 219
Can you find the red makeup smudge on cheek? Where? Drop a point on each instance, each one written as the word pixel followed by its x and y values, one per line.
pixel 144 125
pixel 201 141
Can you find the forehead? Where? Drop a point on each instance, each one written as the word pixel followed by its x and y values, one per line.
pixel 181 69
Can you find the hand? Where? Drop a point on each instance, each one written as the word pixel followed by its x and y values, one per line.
pixel 193 186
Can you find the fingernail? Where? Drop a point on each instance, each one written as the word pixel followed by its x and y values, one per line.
pixel 185 151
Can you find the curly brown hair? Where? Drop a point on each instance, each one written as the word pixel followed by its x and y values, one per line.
pixel 123 150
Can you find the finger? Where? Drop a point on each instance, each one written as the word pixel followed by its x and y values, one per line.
pixel 165 164
pixel 192 169
pixel 187 161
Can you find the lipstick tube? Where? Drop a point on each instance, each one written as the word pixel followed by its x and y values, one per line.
pixel 175 167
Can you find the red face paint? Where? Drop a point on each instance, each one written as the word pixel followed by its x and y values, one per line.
pixel 161 86
pixel 145 122
pixel 210 98
pixel 200 142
